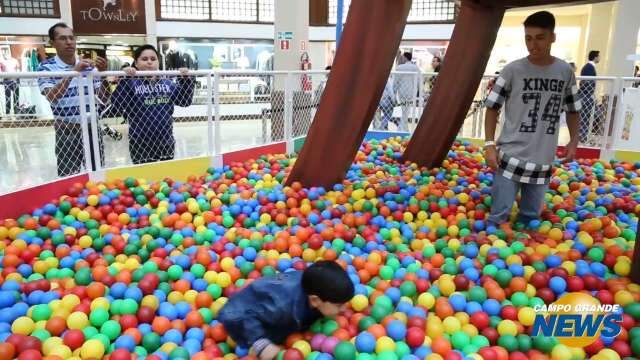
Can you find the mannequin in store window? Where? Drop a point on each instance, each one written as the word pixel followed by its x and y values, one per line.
pixel 148 104
pixel 11 89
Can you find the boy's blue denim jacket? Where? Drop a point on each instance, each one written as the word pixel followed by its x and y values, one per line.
pixel 270 308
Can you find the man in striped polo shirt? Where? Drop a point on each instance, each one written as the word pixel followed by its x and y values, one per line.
pixel 64 97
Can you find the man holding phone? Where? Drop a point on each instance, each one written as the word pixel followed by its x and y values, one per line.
pixel 64 96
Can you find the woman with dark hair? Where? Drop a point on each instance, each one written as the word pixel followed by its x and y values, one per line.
pixel 148 104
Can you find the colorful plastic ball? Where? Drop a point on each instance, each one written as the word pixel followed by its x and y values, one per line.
pixel 396 330
pixel 359 302
pixel 345 351
pixel 23 325
pixel 385 343
pixel 365 342
pixel 92 349
pixel 329 344
pixel 507 327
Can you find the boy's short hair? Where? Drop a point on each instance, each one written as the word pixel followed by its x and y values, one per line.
pixel 328 281
pixel 52 30
pixel 541 19
pixel 407 55
pixel 593 54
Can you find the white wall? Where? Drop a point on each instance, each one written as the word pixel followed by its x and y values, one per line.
pixel 214 30
pixel 265 31
pixel 26 26
pixel 411 32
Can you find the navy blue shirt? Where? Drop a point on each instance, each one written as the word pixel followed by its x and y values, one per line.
pixel 148 105
pixel 269 308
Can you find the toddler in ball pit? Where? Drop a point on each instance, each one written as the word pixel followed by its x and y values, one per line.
pixel 269 309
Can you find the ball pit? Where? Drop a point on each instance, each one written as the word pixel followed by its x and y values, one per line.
pixel 130 269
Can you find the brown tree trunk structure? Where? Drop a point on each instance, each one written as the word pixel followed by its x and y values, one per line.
pixel 368 47
pixel 635 262
pixel 467 56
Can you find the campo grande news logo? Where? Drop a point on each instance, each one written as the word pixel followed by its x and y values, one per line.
pixel 577 320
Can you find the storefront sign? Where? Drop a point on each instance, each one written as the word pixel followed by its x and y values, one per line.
pixel 108 16
pixel 303 45
pixel 284 44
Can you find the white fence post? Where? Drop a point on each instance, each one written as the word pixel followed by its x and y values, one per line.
pixel 216 102
pixel 288 112
pixel 210 142
pixel 81 83
pixel 421 104
pixel 93 118
pixel 614 93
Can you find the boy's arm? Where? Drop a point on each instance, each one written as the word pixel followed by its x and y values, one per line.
pixel 490 124
pixel 494 102
pixel 248 331
pixel 572 146
pixel 573 106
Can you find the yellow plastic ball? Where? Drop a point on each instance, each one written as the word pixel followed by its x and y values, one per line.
pixel 385 343
pixel 303 346
pixel 623 298
pixel 609 354
pixel 92 349
pixel 61 351
pixel 77 320
pixel 622 268
pixel 50 344
pixel 100 303
pixel 507 327
pixel 223 280
pixel 426 300
pixel 23 326
pixel 526 316
pixel 359 302
pixel 451 324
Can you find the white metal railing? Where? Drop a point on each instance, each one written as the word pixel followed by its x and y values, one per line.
pixel 227 111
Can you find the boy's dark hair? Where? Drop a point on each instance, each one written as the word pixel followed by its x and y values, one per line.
pixel 52 30
pixel 328 67
pixel 541 19
pixel 408 56
pixel 593 54
pixel 328 281
pixel 438 58
pixel 138 52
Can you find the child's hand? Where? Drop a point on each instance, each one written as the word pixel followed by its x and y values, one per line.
pixel 183 71
pixel 270 352
pixel 130 71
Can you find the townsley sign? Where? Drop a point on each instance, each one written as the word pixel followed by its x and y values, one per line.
pixel 108 16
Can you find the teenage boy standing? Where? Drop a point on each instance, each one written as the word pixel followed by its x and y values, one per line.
pixel 534 91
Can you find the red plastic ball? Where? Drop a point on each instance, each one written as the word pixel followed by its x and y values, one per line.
pixel 488 353
pixel 491 334
pixel 595 347
pixel 509 312
pixel 480 320
pixel 415 336
pixel 293 354
pixel 120 354
pixel 30 354
pixel 575 283
pixel 73 339
pixel 453 356
pixel 622 348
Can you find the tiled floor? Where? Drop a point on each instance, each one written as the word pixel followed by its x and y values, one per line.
pixel 27 155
